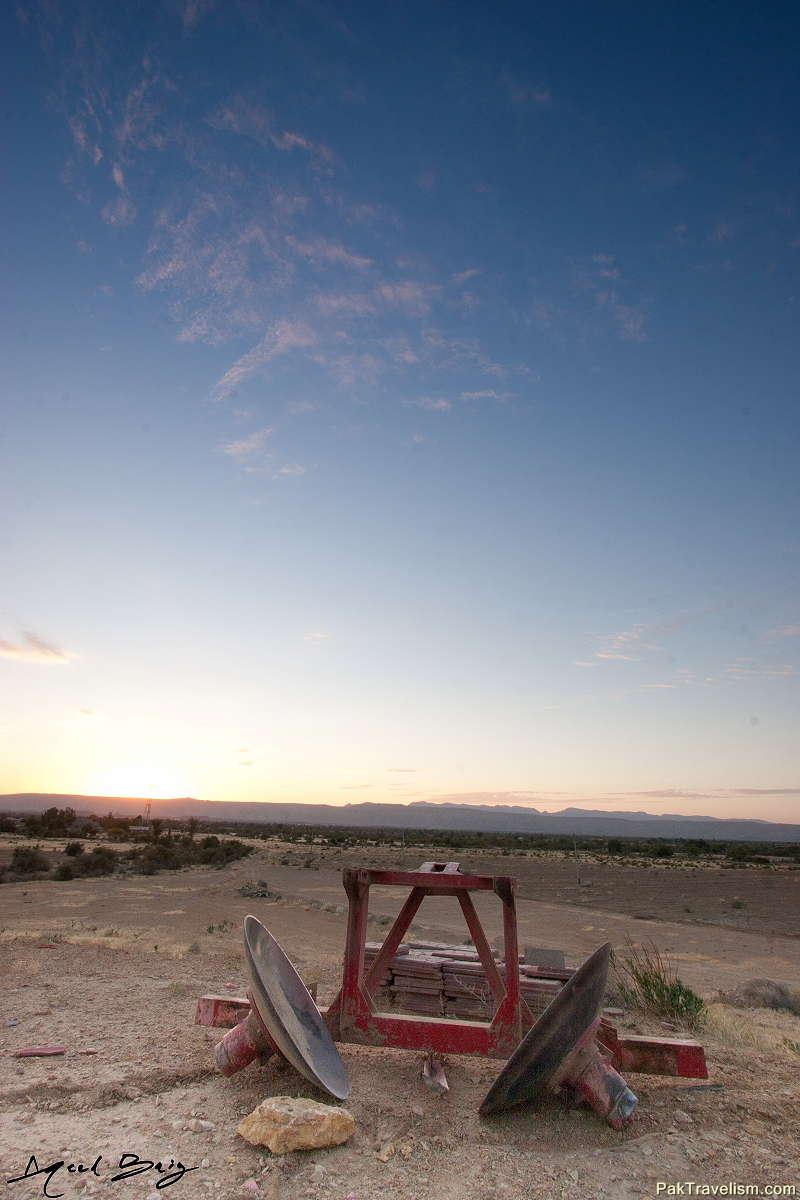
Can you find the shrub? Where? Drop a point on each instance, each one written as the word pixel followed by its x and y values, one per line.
pixel 101 861
pixel 158 856
pixel 27 860
pixel 648 982
pixel 73 848
pixel 765 993
pixel 64 871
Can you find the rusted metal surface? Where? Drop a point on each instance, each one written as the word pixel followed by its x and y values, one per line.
pixel 683 1057
pixel 352 1016
pixel 287 1010
pixel 585 1058
pixel 221 1011
pixel 592 1078
pixel 560 1053
pixel 40 1051
pixel 248 1040
pixel 279 1016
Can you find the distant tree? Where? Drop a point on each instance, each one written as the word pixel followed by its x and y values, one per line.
pixel 156 825
pixel 192 827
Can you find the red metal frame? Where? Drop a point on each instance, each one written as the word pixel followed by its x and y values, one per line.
pixel 353 1018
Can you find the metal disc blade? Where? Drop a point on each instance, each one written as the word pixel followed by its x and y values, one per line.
pixel 287 1008
pixel 544 1047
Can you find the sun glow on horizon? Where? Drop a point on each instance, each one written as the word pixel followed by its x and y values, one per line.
pixel 151 781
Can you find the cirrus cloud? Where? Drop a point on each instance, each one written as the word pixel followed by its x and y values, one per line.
pixel 33 649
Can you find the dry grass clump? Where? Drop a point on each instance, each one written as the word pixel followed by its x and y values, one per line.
pixel 766 1031
pixel 765 993
pixel 648 982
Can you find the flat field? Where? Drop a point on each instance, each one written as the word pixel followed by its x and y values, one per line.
pixel 114 965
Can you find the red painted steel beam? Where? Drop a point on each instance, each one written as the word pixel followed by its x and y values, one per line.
pixel 221 1012
pixel 403 1032
pixel 432 881
pixel 488 963
pixel 663 1056
pixel 394 937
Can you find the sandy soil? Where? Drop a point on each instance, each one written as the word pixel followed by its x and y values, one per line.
pixel 130 956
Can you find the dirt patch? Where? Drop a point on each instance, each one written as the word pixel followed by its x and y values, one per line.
pixel 130 956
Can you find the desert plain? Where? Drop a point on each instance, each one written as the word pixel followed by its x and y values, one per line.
pixel 111 968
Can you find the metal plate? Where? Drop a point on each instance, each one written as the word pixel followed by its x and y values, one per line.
pixel 287 1008
pixel 566 1018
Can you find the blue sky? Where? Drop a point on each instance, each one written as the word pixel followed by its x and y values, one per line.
pixel 401 402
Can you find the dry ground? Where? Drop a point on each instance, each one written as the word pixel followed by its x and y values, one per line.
pixel 131 955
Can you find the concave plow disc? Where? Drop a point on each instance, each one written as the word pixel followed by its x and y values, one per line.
pixel 568 1017
pixel 289 1013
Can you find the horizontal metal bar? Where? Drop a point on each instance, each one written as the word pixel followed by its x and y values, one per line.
pixel 443 1037
pixel 431 881
pixel 663 1056
pixel 221 1012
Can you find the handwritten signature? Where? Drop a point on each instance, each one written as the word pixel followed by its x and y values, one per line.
pixel 129 1165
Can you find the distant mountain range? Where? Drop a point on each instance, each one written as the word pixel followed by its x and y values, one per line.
pixel 423 814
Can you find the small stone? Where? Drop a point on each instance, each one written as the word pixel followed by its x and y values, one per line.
pixel 205 1162
pixel 683 1119
pixel 284 1123
pixel 406 1149
pixel 386 1152
pixel 250 1188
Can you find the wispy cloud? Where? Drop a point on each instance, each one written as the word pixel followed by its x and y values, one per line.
pixel 431 403
pixel 626 646
pixel 252 120
pixel 283 337
pixel 247 447
pixel 320 250
pixel 347 304
pixel 316 635
pixel 289 471
pixel 785 631
pixel 746 669
pixel 524 94
pixel 120 211
pixel 194 11
pixel 414 298
pixel 486 394
pixel 34 649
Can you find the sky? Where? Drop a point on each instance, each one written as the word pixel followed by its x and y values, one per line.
pixel 400 402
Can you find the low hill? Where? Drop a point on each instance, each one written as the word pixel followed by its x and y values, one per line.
pixel 423 815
